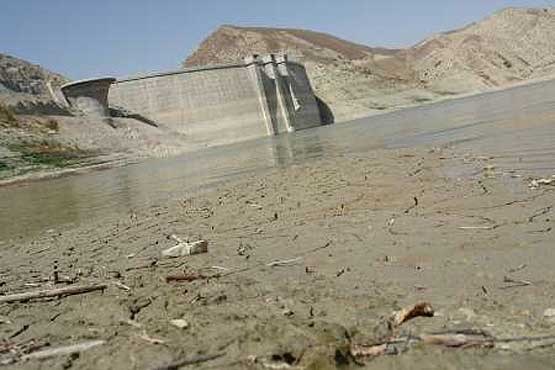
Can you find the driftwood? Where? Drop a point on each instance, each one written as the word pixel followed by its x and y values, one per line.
pixel 144 336
pixel 189 361
pixel 65 291
pixel 284 262
pixel 451 340
pixel 459 340
pixel 187 277
pixel 358 350
pixel 515 283
pixel 61 351
pixel 422 309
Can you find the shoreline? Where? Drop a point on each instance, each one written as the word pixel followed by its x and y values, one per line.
pixel 119 159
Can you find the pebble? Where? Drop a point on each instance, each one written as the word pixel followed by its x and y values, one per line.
pixel 180 323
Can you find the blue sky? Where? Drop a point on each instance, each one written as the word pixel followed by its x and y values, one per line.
pixel 86 38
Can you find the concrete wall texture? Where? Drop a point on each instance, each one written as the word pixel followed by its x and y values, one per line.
pixel 223 104
pixel 90 97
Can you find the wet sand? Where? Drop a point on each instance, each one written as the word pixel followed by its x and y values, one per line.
pixel 367 233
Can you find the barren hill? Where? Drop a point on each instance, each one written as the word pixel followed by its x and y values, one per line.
pixel 512 45
pixel 23 85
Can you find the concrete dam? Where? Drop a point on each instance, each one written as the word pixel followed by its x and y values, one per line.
pixel 213 105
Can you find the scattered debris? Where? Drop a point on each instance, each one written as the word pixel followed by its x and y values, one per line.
pixel 537 183
pixel 62 351
pixel 422 309
pixel 415 199
pixel 122 286
pixel 144 336
pixel 189 361
pixel 477 227
pixel 186 277
pixel 220 268
pixel 255 205
pixel 180 323
pixel 137 305
pixel 459 340
pixel 185 248
pixel 151 264
pixel 515 283
pixel 58 292
pixel 358 350
pixel 284 262
pixel 518 268
pixel 11 352
pixel 287 312
pixel 19 331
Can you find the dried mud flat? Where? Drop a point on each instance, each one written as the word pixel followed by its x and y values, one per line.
pixel 304 266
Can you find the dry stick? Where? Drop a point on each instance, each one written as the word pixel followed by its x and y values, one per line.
pixel 284 262
pixel 458 340
pixel 187 277
pixel 70 290
pixel 61 351
pixel 476 227
pixel 422 309
pixel 189 361
pixel 516 283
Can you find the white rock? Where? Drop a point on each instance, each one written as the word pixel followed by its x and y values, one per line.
pixel 549 313
pixel 186 249
pixel 180 323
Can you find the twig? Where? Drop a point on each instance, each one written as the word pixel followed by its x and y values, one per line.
pixel 284 262
pixel 422 309
pixel 61 351
pixel 516 283
pixel 122 286
pixel 19 331
pixel 71 290
pixel 189 361
pixel 415 199
pixel 358 350
pixel 518 268
pixel 476 227
pixel 144 336
pixel 458 340
pixel 186 277
pixel 141 267
pixel 221 268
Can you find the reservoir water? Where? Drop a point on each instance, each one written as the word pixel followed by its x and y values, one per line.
pixel 515 126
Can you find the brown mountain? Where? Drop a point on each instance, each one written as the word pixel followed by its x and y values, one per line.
pixel 512 45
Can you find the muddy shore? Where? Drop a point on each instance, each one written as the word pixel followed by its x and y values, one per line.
pixel 363 235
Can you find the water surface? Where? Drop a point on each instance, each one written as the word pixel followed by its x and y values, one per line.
pixel 516 126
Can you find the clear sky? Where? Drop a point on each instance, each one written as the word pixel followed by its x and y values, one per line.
pixel 87 38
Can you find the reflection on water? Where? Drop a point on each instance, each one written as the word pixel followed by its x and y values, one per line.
pixel 515 126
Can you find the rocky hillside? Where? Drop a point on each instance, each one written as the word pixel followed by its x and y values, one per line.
pixel 509 46
pixel 23 86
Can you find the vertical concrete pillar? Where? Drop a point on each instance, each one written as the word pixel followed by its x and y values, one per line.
pixel 254 66
pixel 270 67
pixel 285 91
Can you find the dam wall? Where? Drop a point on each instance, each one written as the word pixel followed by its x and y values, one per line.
pixel 88 96
pixel 223 104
